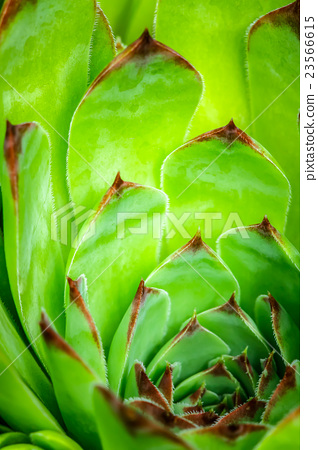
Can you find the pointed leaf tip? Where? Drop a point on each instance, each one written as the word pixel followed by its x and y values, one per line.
pixel 12 148
pixel 52 338
pixel 289 14
pixel 147 389
pixel 77 299
pixel 266 227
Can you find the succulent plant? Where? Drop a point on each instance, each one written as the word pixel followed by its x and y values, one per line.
pixel 157 307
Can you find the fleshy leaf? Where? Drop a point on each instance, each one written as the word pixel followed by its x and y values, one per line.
pixel 240 367
pixel 268 379
pixel 139 334
pixel 168 419
pixel 21 358
pixel 49 41
pixel 286 434
pixel 34 260
pixel 51 440
pixel 286 333
pixel 133 115
pixel 195 278
pixel 267 258
pixel 192 348
pixel 200 33
pixel 127 428
pixel 81 332
pixel 250 411
pixel 5 290
pixel 223 179
pixel 11 438
pixel 146 389
pixel 285 397
pixel 225 437
pixel 102 49
pixel 121 238
pixel 216 379
pixel 72 381
pixel 230 316
pixel 273 68
pixel 30 414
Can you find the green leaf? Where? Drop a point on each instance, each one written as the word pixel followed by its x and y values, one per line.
pixel 273 67
pixel 5 290
pixel 224 437
pixel 102 46
pixel 80 330
pixel 48 41
pixel 19 406
pixel 195 279
pixel 223 179
pixel 21 358
pixel 250 411
pixel 216 379
pixel 240 367
pixel 139 334
pixel 8 439
pixel 191 349
pixel 244 332
pixel 34 260
pixel 72 381
pixel 263 255
pixel 211 35
pixel 285 397
pixel 134 114
pixel 24 447
pixel 121 238
pixel 286 434
pixel 286 333
pixel 127 428
pixel 268 379
pixel 51 440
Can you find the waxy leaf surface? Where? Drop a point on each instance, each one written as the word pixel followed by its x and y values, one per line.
pixel 273 67
pixel 134 114
pixel 224 179
pixel 34 259
pixel 195 279
pixel 120 242
pixel 262 261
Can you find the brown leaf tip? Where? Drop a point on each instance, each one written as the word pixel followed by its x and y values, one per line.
pixel 287 15
pixel 52 338
pixel 77 299
pixel 12 150
pixel 245 412
pixel 219 370
pixel 231 306
pixel 275 308
pixel 234 431
pixel 266 228
pixel 147 389
pixel 135 307
pixel 166 384
pixel 140 51
pixel 113 191
pixel 195 244
pixel 191 327
pixel 196 396
pixel 228 134
pixel 134 420
pixel 10 10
